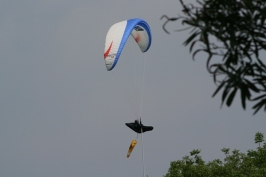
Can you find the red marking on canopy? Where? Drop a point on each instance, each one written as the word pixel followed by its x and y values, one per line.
pixel 108 50
pixel 137 38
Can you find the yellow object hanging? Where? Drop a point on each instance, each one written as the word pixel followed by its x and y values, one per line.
pixel 131 147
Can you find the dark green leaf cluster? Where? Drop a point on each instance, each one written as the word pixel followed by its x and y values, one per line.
pixel 235 164
pixel 233 35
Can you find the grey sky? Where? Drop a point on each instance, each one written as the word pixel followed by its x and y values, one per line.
pixel 62 114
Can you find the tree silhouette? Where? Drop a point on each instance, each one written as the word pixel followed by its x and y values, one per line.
pixel 233 35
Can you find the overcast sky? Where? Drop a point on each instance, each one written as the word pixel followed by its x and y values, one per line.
pixel 62 114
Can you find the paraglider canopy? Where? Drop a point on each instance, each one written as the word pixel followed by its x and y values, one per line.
pixel 117 37
pixel 138 127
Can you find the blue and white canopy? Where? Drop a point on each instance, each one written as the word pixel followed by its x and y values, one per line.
pixel 117 36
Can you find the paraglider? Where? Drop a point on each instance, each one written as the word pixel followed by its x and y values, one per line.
pixel 115 41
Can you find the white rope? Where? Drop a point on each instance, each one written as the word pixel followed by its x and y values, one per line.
pixel 139 97
pixel 142 85
pixel 141 108
pixel 132 93
pixel 143 164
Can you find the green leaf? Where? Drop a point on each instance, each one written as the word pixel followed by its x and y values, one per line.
pixel 224 95
pixel 243 97
pixel 194 54
pixel 218 89
pixel 259 97
pixel 257 107
pixel 252 86
pixel 192 44
pixel 231 97
pixel 195 34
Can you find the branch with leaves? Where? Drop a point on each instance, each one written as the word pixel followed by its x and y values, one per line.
pixel 233 35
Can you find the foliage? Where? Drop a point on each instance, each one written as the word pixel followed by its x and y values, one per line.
pixel 235 164
pixel 235 61
pixel 259 138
